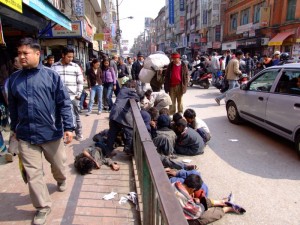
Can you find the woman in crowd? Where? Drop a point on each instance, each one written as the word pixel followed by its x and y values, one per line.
pixel 109 82
pixel 94 78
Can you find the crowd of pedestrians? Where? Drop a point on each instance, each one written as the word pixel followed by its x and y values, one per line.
pixel 45 104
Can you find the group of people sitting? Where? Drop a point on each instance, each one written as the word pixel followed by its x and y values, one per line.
pixel 174 134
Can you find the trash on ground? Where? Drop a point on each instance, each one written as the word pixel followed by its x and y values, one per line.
pixel 186 160
pixel 233 140
pixel 109 196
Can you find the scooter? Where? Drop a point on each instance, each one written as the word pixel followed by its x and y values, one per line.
pixel 201 80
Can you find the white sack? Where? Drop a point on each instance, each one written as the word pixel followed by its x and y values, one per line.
pixel 146 75
pixel 156 61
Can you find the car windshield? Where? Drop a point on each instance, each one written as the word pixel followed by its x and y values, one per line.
pixel 264 82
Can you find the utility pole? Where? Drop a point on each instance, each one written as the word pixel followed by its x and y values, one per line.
pixel 118 33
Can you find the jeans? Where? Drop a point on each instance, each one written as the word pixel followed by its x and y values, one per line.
pixel 78 129
pixel 108 87
pixel 97 89
pixel 232 84
pixel 82 97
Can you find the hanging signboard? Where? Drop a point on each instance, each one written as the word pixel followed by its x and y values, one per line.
pixel 171 12
pixel 14 4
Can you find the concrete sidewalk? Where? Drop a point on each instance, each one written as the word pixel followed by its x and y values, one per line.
pixel 82 202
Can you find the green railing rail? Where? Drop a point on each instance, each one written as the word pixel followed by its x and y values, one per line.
pixel 159 204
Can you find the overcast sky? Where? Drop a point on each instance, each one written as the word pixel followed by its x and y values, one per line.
pixel 139 9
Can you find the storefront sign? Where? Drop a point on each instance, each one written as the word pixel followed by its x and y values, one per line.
pixel 181 23
pixel 181 8
pixel 2 42
pixel 245 34
pixel 171 12
pixel 47 9
pixel 87 31
pixel 264 16
pixel 229 45
pixel 79 7
pixel 14 4
pixel 244 28
pixel 216 45
pixel 99 37
pixel 209 44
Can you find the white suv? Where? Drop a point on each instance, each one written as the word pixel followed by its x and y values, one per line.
pixel 271 100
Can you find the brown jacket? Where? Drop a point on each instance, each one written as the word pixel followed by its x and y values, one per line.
pixel 232 71
pixel 184 77
pixel 92 78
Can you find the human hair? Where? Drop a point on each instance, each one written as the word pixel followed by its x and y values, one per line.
pixel 67 50
pixel 130 84
pixel 50 57
pixel 148 93
pixel 176 117
pixel 84 165
pixel 32 43
pixel 193 181
pixel 103 61
pixel 153 113
pixel 128 58
pixel 181 123
pixel 165 111
pixel 94 61
pixel 189 113
pixel 238 53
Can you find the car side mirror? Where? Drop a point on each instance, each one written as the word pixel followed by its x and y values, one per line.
pixel 244 87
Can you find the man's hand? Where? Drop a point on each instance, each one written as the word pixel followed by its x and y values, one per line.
pixel 68 137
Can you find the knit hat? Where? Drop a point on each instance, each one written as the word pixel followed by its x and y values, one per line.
pixel 163 121
pixel 175 55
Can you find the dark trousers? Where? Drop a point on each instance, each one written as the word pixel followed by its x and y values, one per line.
pixel 114 129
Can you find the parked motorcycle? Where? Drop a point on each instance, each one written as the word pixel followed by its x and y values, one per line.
pixel 202 79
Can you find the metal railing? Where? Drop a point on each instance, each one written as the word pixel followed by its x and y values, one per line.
pixel 159 204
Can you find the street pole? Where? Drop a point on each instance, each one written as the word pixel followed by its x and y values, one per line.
pixel 118 28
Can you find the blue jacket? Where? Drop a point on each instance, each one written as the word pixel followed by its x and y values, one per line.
pixel 39 105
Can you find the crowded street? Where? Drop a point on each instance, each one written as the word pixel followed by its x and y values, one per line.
pixel 138 112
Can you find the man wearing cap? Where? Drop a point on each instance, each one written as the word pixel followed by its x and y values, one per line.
pixel 176 81
pixel 135 71
pixel 276 58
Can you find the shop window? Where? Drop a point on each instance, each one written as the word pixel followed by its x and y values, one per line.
pixel 245 16
pixel 233 21
pixel 256 16
pixel 290 14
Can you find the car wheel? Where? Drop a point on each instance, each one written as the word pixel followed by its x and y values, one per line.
pixel 233 114
pixel 297 144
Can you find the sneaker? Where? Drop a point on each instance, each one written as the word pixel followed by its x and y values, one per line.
pixel 88 113
pixel 79 138
pixel 8 157
pixel 99 113
pixel 217 101
pixel 41 216
pixel 61 186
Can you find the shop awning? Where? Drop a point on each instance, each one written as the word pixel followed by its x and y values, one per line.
pixel 47 9
pixel 279 38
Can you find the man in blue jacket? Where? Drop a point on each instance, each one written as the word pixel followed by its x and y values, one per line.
pixel 41 119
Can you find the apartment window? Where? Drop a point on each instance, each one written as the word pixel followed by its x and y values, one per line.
pixel 290 14
pixel 245 16
pixel 256 15
pixel 233 21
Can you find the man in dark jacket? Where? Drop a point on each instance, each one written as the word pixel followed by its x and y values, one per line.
pixel 121 117
pixel 176 81
pixel 188 141
pixel 135 71
pixel 41 119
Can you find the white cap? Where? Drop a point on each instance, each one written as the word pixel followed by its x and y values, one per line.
pixel 277 53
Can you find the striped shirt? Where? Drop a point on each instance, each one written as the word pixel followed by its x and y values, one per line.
pixel 72 77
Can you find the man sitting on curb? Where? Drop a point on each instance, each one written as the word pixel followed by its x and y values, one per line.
pixel 188 141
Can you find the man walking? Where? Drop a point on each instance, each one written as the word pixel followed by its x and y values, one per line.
pixel 41 119
pixel 232 74
pixel 72 77
pixel 176 81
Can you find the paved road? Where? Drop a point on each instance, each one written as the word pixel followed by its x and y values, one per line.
pixel 261 169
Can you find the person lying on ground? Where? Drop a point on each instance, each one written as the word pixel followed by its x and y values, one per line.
pixel 204 210
pixel 197 124
pixel 92 158
pixel 181 175
pixel 165 139
pixel 188 141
